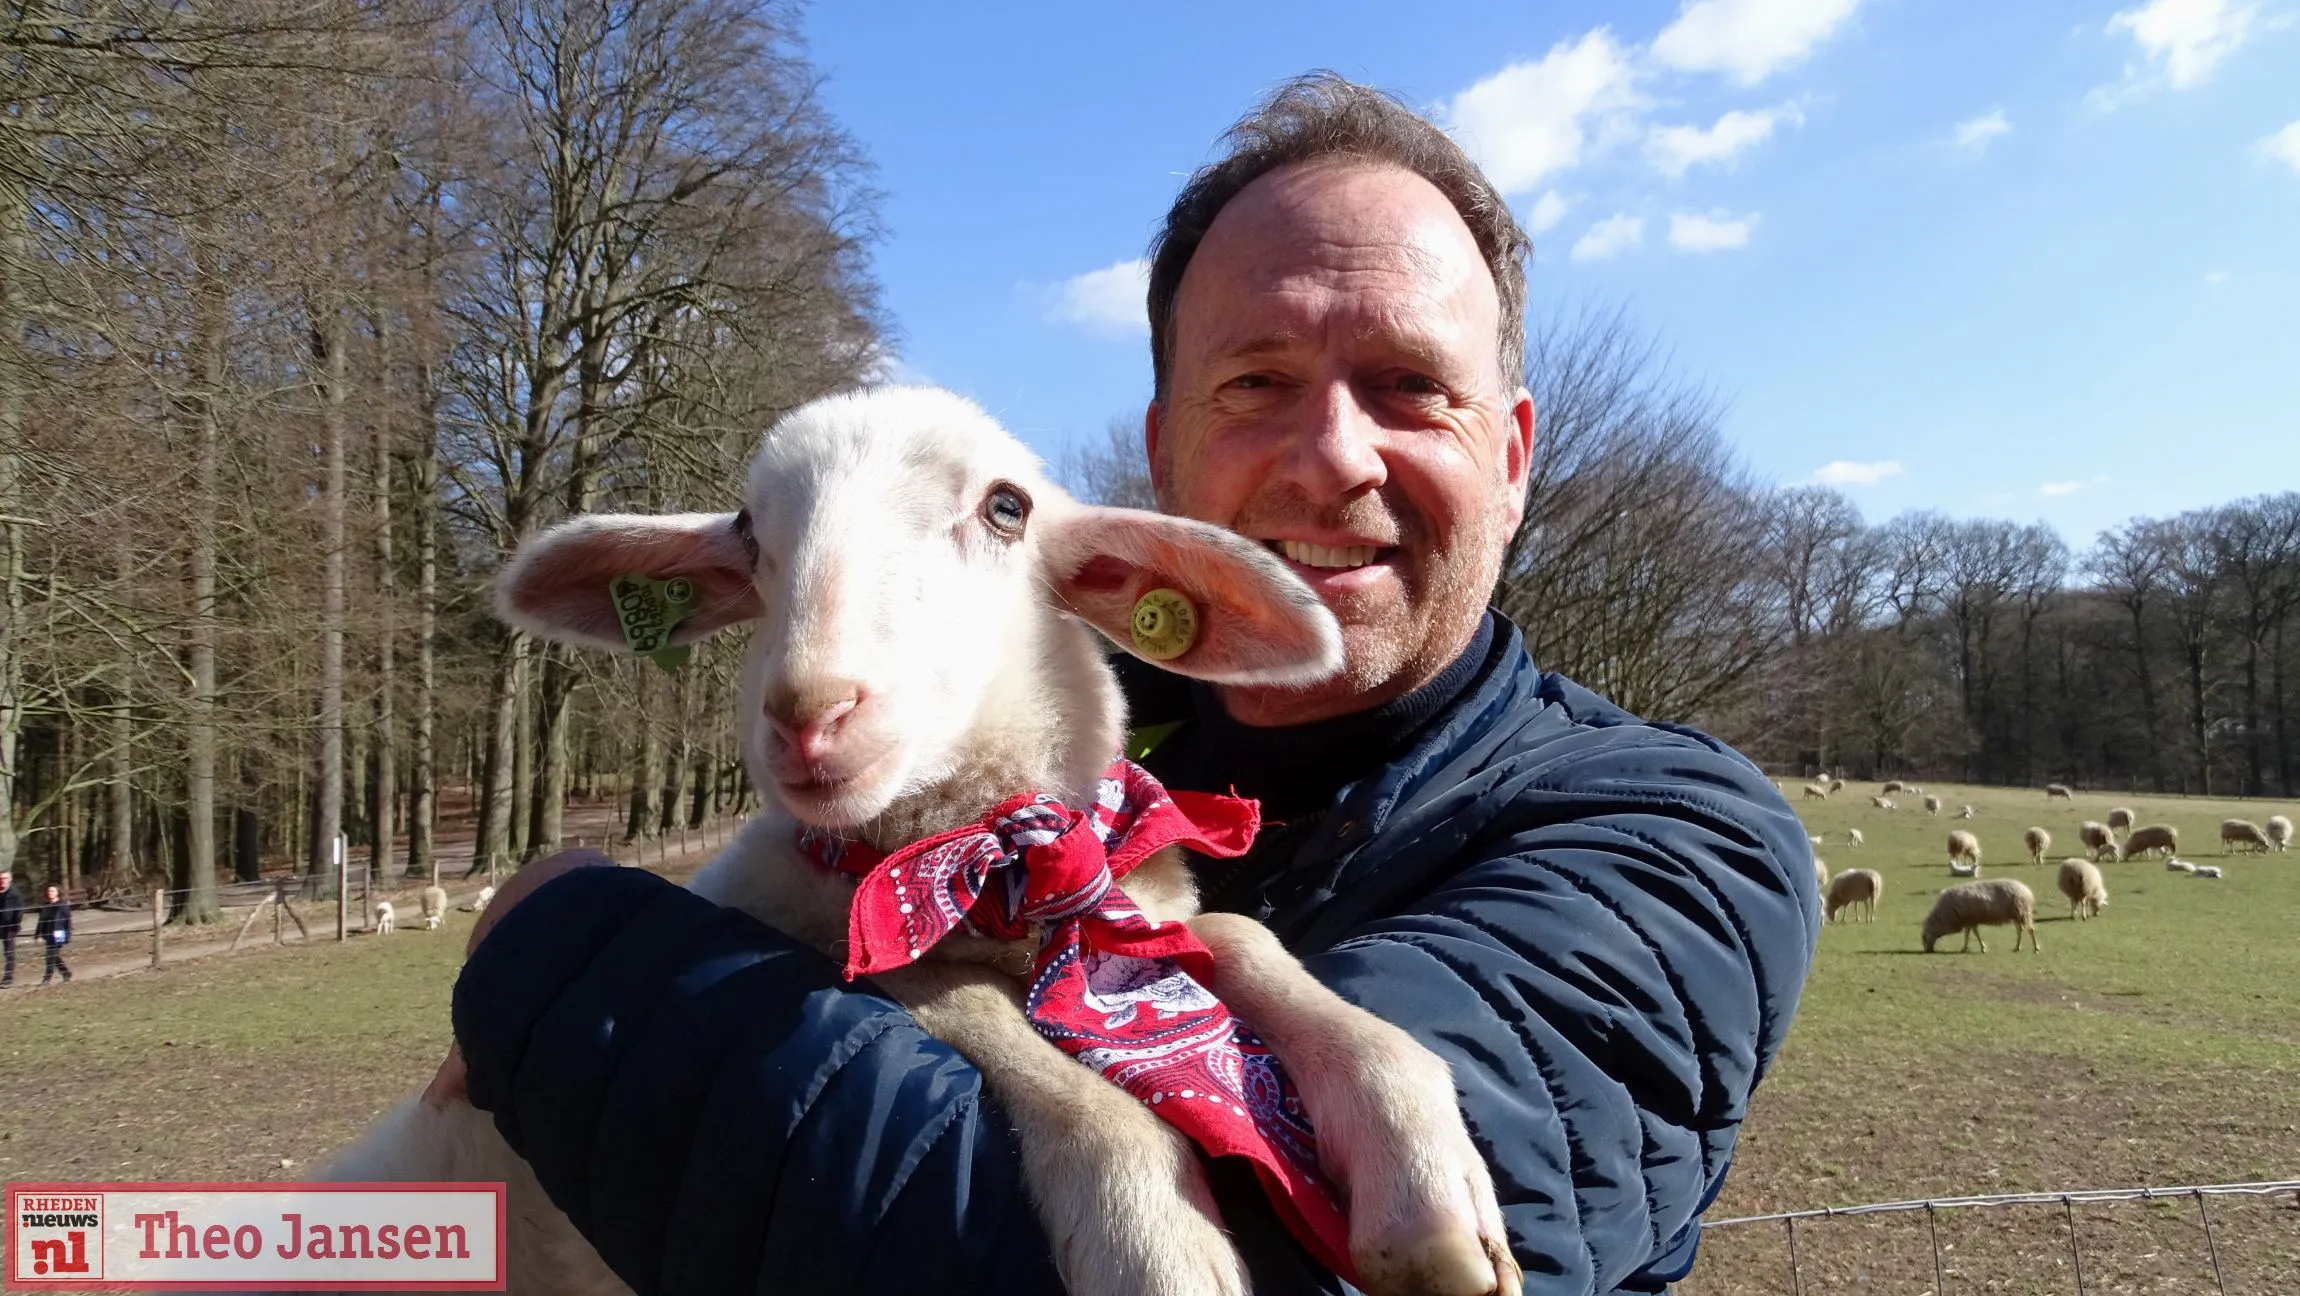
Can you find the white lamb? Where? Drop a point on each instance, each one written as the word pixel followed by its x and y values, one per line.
pixel 1883 803
pixel 1966 813
pixel 2208 870
pixel 2178 866
pixel 383 918
pixel 1964 848
pixel 1932 804
pixel 1854 838
pixel 866 716
pixel 434 907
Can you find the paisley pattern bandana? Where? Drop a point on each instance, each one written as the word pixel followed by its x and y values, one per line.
pixel 1123 995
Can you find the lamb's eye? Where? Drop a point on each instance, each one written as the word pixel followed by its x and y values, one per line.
pixel 750 540
pixel 1006 508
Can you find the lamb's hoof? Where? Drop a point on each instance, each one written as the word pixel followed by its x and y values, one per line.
pixel 1444 1262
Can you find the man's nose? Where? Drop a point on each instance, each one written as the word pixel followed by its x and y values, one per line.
pixel 1337 452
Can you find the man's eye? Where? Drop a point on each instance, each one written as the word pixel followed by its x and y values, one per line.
pixel 1250 381
pixel 1420 385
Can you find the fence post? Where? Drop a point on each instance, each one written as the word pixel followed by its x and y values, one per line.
pixel 342 890
pixel 159 916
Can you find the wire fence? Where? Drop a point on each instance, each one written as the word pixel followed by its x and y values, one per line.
pixel 1799 1267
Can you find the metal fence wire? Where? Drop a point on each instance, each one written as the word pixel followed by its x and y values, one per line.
pixel 2067 1201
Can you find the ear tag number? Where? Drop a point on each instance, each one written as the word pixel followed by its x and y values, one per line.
pixel 649 611
pixel 1165 624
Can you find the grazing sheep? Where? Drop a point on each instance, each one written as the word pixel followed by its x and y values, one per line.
pixel 2207 870
pixel 2120 818
pixel 2153 837
pixel 2179 866
pixel 1932 804
pixel 1969 906
pixel 1959 868
pixel 1836 785
pixel 1964 846
pixel 2081 882
pixel 923 484
pixel 434 907
pixel 480 902
pixel 1893 785
pixel 2058 792
pixel 2097 838
pixel 1815 792
pixel 383 916
pixel 2038 842
pixel 2242 832
pixel 2279 832
pixel 1854 838
pixel 1882 803
pixel 1966 813
pixel 1821 874
pixel 1855 886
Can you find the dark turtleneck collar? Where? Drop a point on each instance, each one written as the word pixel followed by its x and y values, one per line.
pixel 1293 770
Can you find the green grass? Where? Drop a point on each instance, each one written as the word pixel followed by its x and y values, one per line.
pixel 2158 1044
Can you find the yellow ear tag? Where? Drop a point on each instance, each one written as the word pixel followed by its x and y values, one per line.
pixel 1165 624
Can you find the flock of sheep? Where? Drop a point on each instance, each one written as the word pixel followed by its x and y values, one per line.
pixel 1968 906
pixel 434 902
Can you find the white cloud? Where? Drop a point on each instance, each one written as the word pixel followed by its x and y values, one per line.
pixel 1974 134
pixel 1844 472
pixel 1692 232
pixel 1613 234
pixel 1674 149
pixel 2282 146
pixel 1545 213
pixel 1531 120
pixel 1748 39
pixel 2060 488
pixel 1109 300
pixel 2186 39
pixel 2216 276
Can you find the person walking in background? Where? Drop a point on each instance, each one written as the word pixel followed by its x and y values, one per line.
pixel 54 930
pixel 11 923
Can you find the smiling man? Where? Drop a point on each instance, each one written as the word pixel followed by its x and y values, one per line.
pixel 1601 924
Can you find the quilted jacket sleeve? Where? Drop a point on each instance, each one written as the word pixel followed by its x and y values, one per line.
pixel 712 1105
pixel 1608 976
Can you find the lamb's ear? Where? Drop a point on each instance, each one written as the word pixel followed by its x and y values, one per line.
pixel 1257 623
pixel 556 585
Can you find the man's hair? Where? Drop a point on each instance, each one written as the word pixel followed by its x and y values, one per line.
pixel 1322 115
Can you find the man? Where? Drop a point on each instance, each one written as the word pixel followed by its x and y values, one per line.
pixel 11 924
pixel 1602 925
pixel 53 929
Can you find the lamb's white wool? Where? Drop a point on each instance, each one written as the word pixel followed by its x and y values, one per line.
pixel 2081 882
pixel 1883 803
pixel 1969 906
pixel 1966 813
pixel 2279 832
pixel 485 897
pixel 2208 870
pixel 1821 875
pixel 1855 886
pixel 1814 838
pixel 926 599
pixel 383 918
pixel 1964 848
pixel 1964 868
pixel 2097 838
pixel 2179 866
pixel 434 907
pixel 2038 842
pixel 1854 838
pixel 2245 833
pixel 1932 804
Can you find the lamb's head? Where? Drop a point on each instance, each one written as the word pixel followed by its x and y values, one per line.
pixel 918 584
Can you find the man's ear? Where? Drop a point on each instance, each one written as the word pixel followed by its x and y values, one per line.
pixel 1257 623
pixel 556 585
pixel 1517 453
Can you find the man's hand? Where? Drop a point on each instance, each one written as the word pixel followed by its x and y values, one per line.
pixel 448 1083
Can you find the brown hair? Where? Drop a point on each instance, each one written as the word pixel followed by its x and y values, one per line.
pixel 1326 115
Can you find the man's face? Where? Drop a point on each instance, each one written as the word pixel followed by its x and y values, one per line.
pixel 1336 393
pixel 51 893
pixel 7 880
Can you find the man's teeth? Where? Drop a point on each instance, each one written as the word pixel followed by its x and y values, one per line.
pixel 1310 555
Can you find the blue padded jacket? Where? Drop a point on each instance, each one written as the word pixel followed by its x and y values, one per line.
pixel 1603 926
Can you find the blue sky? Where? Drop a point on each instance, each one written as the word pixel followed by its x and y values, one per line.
pixel 2033 260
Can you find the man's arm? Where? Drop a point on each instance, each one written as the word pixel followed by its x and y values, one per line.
pixel 711 1104
pixel 1608 979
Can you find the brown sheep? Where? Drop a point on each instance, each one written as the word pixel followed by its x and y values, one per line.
pixel 2038 842
pixel 2154 837
pixel 1969 906
pixel 1856 886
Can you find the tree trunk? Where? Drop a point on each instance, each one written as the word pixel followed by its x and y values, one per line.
pixel 523 756
pixel 329 350
pixel 12 240
pixel 547 810
pixel 492 847
pixel 423 803
pixel 646 771
pixel 383 801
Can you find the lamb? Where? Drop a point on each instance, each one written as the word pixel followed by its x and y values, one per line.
pixel 1855 886
pixel 1821 875
pixel 2207 870
pixel 1965 847
pixel 864 717
pixel 1815 838
pixel 1893 785
pixel 1836 785
pixel 479 902
pixel 2058 792
pixel 2279 833
pixel 1966 813
pixel 2242 832
pixel 1932 804
pixel 2038 842
pixel 434 907
pixel 383 916
pixel 2081 882
pixel 1969 906
pixel 2097 838
pixel 1882 803
pixel 2178 866
pixel 2120 818
pixel 1960 868
pixel 2153 837
pixel 1854 838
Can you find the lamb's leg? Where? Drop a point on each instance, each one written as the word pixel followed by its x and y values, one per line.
pixel 1121 1192
pixel 458 1143
pixel 1423 1217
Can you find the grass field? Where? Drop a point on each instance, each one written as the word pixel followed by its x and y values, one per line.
pixel 2157 1045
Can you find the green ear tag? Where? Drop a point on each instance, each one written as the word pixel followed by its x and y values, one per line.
pixel 1165 624
pixel 650 610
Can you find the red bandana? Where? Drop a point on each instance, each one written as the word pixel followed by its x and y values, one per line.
pixel 1123 995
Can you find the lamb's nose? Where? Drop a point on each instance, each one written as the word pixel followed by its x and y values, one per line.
pixel 807 720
